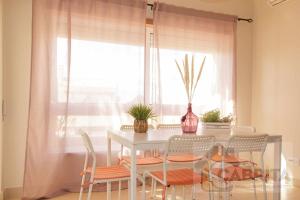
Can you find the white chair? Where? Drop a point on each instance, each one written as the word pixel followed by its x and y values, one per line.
pixel 198 146
pixel 169 126
pixel 230 172
pixel 99 174
pixel 174 128
pixel 129 128
pixel 141 160
pixel 235 130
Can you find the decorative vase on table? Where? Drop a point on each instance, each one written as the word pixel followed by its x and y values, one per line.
pixel 189 122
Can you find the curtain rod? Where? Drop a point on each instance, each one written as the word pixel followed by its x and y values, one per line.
pixel 249 20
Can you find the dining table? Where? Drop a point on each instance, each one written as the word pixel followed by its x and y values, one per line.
pixel 158 139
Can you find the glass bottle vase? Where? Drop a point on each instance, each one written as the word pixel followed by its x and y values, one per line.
pixel 189 122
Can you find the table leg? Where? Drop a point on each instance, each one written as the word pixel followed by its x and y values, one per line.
pixel 277 170
pixel 133 173
pixel 108 189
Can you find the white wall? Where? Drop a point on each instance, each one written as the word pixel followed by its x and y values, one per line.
pixel 276 70
pixel 17 52
pixel 17 33
pixel 1 86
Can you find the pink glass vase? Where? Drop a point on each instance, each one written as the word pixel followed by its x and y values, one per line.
pixel 189 122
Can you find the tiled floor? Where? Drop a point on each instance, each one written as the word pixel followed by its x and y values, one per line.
pixel 240 192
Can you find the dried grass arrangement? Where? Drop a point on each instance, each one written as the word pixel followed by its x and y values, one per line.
pixel 187 73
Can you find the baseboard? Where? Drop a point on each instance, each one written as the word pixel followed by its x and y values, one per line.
pixel 13 193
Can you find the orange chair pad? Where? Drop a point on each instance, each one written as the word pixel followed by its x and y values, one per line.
pixel 228 159
pixel 179 177
pixel 145 161
pixel 183 158
pixel 236 173
pixel 112 172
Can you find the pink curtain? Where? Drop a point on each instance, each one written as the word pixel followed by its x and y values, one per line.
pixel 179 31
pixel 89 66
pixel 84 55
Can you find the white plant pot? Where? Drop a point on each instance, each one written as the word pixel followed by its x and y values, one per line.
pixel 215 128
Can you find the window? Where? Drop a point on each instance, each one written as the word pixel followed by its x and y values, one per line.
pixel 105 79
pixel 108 74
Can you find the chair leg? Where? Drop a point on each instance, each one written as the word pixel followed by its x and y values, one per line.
pixel 183 192
pixel 154 189
pixel 220 190
pixel 152 184
pixel 193 192
pixel 254 188
pixel 108 192
pixel 227 191
pixel 80 194
pixel 81 187
pixel 164 193
pixel 144 188
pixel 209 191
pixel 227 195
pixel 90 191
pixel 223 191
pixel 173 192
pixel 119 194
pixel 129 193
pixel 265 189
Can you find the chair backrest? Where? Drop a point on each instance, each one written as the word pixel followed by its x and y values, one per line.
pixel 86 141
pixel 195 144
pixel 248 143
pixel 89 151
pixel 243 129
pixel 187 144
pixel 168 126
pixel 127 127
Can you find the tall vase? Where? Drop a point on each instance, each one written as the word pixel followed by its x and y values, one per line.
pixel 189 122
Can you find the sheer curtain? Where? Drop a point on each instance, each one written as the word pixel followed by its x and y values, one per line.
pixel 91 61
pixel 87 69
pixel 179 31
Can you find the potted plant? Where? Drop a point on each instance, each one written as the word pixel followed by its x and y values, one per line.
pixel 141 113
pixel 213 120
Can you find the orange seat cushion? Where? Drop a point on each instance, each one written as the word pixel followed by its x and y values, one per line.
pixel 179 177
pixel 111 172
pixel 183 158
pixel 236 173
pixel 228 159
pixel 144 161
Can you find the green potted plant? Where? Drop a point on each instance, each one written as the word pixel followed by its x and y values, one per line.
pixel 213 119
pixel 141 113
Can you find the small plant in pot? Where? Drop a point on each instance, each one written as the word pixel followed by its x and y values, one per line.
pixel 213 118
pixel 141 113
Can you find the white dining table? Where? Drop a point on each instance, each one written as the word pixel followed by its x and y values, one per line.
pixel 157 139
